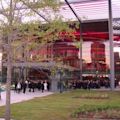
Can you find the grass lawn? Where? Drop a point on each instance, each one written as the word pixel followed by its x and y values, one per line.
pixel 64 106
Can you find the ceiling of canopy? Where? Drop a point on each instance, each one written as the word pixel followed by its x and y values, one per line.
pixel 90 9
pixel 85 10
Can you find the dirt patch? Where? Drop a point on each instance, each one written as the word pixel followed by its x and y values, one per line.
pixel 92 96
pixel 100 115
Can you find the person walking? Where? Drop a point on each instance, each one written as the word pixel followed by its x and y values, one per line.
pixel 45 86
pixel 29 86
pixel 42 86
pixel 15 85
pixel 24 86
pixel 39 85
pixel 33 86
pixel 48 85
pixel 18 87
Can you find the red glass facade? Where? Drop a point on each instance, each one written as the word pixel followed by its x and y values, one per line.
pixel 95 50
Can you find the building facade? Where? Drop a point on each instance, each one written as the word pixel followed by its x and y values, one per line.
pixel 65 54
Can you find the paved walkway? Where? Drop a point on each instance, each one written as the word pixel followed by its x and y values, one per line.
pixel 19 97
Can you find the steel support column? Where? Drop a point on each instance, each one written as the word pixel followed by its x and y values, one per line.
pixel 80 48
pixel 112 67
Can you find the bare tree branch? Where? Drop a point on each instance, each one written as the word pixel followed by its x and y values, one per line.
pixel 35 11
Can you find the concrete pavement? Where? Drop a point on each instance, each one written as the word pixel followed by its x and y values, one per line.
pixel 19 97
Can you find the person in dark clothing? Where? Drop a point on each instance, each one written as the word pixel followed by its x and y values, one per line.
pixel 39 85
pixel 42 86
pixel 15 86
pixel 33 86
pixel 29 86
pixel 24 85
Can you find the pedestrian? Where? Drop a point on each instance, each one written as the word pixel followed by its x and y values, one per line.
pixel 48 85
pixel 45 86
pixel 33 86
pixel 15 85
pixel 18 87
pixel 24 86
pixel 29 86
pixel 39 85
pixel 42 86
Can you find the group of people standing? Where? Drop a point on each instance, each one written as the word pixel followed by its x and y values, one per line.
pixel 89 84
pixel 31 85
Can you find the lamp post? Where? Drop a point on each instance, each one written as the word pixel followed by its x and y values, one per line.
pixel 97 74
pixel 60 81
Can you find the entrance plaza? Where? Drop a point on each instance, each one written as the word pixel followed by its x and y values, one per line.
pixel 16 98
pixel 21 97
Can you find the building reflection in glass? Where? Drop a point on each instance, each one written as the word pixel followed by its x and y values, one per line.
pixel 117 61
pixel 96 57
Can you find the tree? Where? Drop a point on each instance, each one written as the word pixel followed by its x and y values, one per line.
pixel 13 13
pixel 7 30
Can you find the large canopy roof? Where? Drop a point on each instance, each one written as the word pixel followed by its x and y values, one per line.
pixel 90 9
pixel 93 10
pixel 85 10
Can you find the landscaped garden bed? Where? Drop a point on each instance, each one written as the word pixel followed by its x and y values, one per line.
pixel 97 113
pixel 104 115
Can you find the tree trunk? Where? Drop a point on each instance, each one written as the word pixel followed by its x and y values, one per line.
pixel 9 63
pixel 8 85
